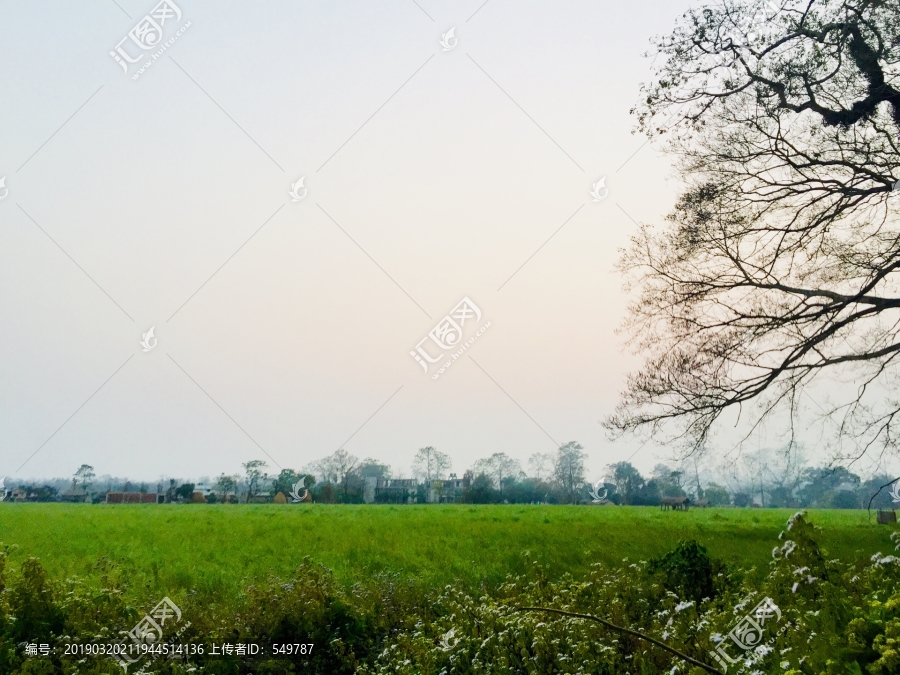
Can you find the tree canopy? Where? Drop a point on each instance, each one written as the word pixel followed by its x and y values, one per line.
pixel 430 464
pixel 778 266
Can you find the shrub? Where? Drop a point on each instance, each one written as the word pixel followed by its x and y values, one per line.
pixel 35 615
pixel 835 618
pixel 481 491
pixel 686 571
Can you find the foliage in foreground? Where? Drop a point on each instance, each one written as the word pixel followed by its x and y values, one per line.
pixel 835 618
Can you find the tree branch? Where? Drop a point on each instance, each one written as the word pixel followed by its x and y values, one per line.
pixel 629 631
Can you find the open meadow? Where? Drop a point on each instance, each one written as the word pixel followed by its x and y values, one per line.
pixel 216 549
pixel 410 590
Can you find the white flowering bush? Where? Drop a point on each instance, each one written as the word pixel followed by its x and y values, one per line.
pixel 832 618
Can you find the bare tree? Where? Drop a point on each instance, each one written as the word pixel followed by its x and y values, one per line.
pixel 568 469
pixel 226 484
pixel 626 480
pixel 254 476
pixel 498 467
pixel 780 262
pixel 541 465
pixel 337 468
pixel 84 476
pixel 430 464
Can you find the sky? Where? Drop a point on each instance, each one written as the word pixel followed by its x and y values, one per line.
pixel 448 152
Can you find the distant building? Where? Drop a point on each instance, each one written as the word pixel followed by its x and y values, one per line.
pixel 207 490
pixel 204 489
pixel 134 498
pixel 369 483
pixel 78 494
pixel 390 490
pixel 448 491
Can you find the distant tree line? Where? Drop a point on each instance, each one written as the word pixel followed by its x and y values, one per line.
pixel 811 487
pixel 552 478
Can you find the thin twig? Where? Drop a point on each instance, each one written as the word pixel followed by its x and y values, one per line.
pixel 869 507
pixel 621 629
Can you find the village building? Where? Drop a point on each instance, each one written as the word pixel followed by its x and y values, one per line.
pixel 390 490
pixel 448 491
pixel 134 498
pixel 77 495
pixel 204 489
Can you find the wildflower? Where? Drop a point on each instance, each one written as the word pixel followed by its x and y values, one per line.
pixel 786 549
pixel 794 518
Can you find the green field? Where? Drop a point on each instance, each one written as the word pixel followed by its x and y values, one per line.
pixel 215 550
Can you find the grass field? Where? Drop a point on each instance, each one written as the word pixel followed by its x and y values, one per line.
pixel 216 549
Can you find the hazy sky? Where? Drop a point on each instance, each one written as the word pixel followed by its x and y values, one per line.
pixel 285 327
